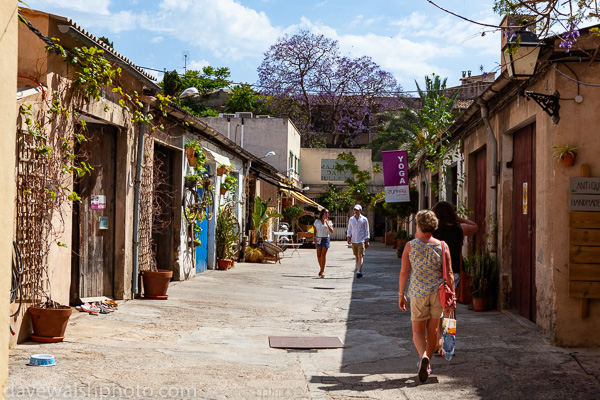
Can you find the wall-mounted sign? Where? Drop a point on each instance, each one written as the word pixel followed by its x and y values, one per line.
pixel 584 185
pixel 395 176
pixel 103 223
pixel 524 198
pixel 584 194
pixel 329 173
pixel 98 202
pixel 584 202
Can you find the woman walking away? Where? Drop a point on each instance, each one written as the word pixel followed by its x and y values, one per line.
pixel 452 229
pixel 422 263
pixel 323 229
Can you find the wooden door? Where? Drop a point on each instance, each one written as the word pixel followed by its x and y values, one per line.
pixel 162 219
pixel 92 266
pixel 523 268
pixel 480 199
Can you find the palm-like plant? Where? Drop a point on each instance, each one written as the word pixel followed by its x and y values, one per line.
pixel 261 215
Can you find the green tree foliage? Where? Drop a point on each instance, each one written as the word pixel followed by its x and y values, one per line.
pixel 206 81
pixel 339 198
pixel 106 40
pixel 243 98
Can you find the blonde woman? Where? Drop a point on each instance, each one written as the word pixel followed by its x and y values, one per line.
pixel 422 263
pixel 323 230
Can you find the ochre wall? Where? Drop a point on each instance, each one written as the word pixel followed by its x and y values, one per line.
pixel 8 82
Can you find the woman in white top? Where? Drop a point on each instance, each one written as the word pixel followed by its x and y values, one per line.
pixel 323 227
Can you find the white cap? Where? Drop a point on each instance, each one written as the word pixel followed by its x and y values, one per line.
pixel 358 207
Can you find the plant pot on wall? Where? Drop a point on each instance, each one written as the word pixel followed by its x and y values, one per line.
pixel 49 324
pixel 156 283
pixel 568 159
pixel 221 171
pixel 223 191
pixel 193 161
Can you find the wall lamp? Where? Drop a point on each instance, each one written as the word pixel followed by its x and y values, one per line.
pixel 521 53
pixel 269 154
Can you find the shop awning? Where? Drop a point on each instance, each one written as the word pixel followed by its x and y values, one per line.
pixel 216 157
pixel 302 198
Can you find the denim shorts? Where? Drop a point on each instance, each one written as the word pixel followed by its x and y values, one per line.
pixel 323 242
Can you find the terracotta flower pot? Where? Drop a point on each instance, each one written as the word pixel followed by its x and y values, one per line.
pixel 193 161
pixel 220 171
pixel 479 303
pixel 189 152
pixel 49 324
pixel 156 283
pixel 223 264
pixel 223 191
pixel 568 159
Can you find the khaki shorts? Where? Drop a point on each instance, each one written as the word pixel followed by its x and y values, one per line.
pixel 358 248
pixel 424 308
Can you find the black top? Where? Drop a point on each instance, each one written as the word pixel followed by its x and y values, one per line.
pixel 453 236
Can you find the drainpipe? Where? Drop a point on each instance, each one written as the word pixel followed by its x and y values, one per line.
pixel 136 204
pixel 494 187
pixel 228 128
pixel 242 138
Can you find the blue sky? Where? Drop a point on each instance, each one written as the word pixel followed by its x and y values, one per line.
pixel 407 38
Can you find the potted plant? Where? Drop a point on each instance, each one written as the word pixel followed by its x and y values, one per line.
pixel 194 153
pixel 482 268
pixel 228 184
pixel 223 169
pixel 261 215
pixel 402 237
pixel 226 235
pixel 566 154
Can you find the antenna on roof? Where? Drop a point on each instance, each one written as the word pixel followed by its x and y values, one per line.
pixel 185 54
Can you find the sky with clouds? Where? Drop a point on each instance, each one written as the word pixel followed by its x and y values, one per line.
pixel 409 38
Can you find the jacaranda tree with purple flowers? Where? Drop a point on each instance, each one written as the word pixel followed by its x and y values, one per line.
pixel 330 98
pixel 549 17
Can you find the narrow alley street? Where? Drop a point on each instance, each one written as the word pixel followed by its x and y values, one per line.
pixel 210 340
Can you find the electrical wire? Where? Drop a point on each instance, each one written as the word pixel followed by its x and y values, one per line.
pixel 575 80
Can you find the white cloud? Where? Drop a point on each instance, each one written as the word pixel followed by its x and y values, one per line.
pixel 198 65
pixel 157 39
pixel 225 28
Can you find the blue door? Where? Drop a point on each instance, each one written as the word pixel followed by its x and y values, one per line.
pixel 202 249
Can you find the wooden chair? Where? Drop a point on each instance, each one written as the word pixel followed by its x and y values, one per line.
pixel 272 252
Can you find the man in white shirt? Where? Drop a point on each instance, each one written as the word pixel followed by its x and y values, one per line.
pixel 358 235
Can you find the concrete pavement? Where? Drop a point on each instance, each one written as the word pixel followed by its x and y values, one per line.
pixel 210 341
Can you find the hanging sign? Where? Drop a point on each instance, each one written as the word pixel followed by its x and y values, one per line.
pixel 395 176
pixel 98 202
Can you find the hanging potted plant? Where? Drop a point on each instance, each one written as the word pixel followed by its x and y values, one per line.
pixel 194 153
pixel 228 184
pixel 565 154
pixel 226 236
pixel 223 169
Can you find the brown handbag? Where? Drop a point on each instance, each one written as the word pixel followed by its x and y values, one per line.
pixel 463 291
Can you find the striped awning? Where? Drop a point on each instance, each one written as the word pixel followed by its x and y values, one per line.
pixel 302 198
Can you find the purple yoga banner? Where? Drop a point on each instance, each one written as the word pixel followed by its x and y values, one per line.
pixel 395 176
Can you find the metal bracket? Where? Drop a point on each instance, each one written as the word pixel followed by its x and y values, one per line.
pixel 549 103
